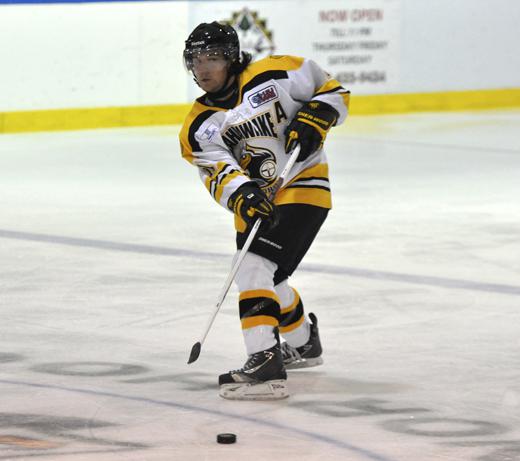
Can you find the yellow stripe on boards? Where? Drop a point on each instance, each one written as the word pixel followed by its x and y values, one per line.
pixel 258 320
pixel 434 102
pixel 91 118
pixel 174 114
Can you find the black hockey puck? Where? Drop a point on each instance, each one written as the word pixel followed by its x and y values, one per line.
pixel 226 438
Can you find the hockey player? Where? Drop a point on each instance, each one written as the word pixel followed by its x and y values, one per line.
pixel 238 135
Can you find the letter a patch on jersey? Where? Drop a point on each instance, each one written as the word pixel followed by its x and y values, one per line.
pixel 263 96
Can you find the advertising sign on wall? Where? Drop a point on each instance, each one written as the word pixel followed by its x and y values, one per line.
pixel 356 41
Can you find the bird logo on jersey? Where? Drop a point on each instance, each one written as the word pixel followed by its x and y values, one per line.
pixel 259 164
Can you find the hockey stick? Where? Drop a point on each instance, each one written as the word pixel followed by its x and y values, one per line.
pixel 195 350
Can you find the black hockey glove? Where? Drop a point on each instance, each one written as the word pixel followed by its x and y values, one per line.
pixel 309 127
pixel 250 203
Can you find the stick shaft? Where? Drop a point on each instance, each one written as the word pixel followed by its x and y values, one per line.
pixel 231 277
pixel 290 163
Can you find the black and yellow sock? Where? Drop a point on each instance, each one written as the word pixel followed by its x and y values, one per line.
pixel 292 316
pixel 258 308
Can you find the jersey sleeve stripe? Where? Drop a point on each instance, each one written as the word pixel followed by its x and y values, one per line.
pixel 346 98
pixel 338 89
pixel 223 176
pixel 225 181
pixel 228 169
pixel 329 86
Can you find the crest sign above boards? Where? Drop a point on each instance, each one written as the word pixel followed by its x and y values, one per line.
pixel 254 36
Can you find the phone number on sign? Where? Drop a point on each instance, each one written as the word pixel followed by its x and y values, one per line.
pixel 374 76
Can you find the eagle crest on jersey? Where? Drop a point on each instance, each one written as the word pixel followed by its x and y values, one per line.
pixel 259 164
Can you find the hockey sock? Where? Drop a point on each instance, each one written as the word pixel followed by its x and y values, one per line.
pixel 294 327
pixel 259 315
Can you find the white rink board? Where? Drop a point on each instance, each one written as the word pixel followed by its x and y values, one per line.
pixel 130 53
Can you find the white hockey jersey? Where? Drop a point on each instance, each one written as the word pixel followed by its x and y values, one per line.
pixel 231 146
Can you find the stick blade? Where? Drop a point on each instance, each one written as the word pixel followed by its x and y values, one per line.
pixel 195 352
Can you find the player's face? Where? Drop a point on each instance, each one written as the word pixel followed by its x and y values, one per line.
pixel 211 71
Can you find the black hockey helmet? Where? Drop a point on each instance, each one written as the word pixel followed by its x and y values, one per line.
pixel 212 39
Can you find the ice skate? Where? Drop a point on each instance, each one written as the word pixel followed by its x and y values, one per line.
pixel 306 356
pixel 263 377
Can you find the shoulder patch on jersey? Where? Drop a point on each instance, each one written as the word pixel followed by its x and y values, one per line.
pixel 209 132
pixel 263 96
pixel 198 115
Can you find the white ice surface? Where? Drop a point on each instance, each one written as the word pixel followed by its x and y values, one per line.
pixel 112 255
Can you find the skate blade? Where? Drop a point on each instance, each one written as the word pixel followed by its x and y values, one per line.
pixel 270 390
pixel 304 363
